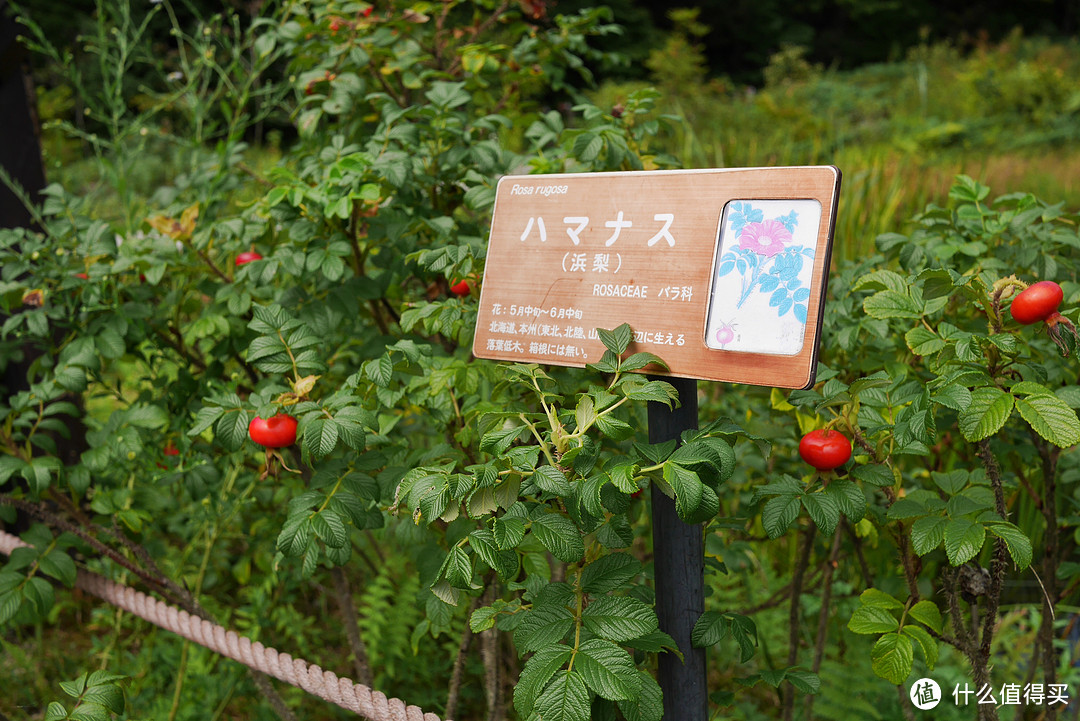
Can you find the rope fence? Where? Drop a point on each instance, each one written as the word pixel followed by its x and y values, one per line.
pixel 296 671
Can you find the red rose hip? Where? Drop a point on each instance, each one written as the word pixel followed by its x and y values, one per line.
pixel 825 449
pixel 274 432
pixel 1037 302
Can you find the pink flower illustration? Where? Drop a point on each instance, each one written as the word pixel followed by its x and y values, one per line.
pixel 765 238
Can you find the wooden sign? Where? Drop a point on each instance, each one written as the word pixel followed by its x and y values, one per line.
pixel 721 273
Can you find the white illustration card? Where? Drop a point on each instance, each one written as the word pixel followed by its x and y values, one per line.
pixel 761 276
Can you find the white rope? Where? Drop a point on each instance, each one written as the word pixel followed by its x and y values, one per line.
pixel 298 672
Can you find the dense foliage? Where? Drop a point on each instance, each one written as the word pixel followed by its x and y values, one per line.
pixel 467 535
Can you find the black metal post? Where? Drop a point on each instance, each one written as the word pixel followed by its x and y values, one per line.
pixel 679 566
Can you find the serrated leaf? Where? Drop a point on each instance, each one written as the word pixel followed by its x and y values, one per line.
pixel 496 442
pixel 871 619
pixel 954 396
pixel 508 532
pixel 892 657
pixel 320 436
pixel 55 712
pixel 565 699
pixel 849 498
pixel 924 342
pixel 649 705
pixel 1018 544
pixel 926 643
pixel 927 612
pixel 60 566
pixel 608 670
pixel 609 572
pixel 804 681
pixel 560 536
pixel 585 413
pixel 906 508
pixel 619 618
pixel 877 598
pixel 778 514
pixel 823 510
pixel 710 629
pixel 892 304
pixel 542 626
pixel 687 486
pixel 927 533
pixel 874 474
pixel 551 480
pixel 536 673
pixel 108 695
pixel 617 340
pixel 963 540
pixel 1051 418
pixel 989 409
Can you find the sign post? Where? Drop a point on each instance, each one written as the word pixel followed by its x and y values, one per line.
pixel 721 273
pixel 678 571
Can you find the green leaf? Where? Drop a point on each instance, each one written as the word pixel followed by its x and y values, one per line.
pixel 609 572
pixel 927 533
pixel 619 618
pixel 928 613
pixel 892 304
pixel 320 436
pixel 585 414
pixel 617 340
pixel 55 712
pixel 608 670
pixel 926 643
pixel 779 513
pixel 924 342
pixel 874 474
pixel 871 619
pixel 614 428
pixel 551 480
pixel 989 409
pixel 537 671
pixel 639 360
pixel 542 626
pixel 876 598
pixel 565 699
pixel 89 712
pixel 963 540
pixel 231 429
pixel 496 442
pixel 804 681
pixel 108 695
pixel 892 657
pixel 203 420
pixel 823 510
pixel 906 508
pixel 1051 418
pixel 655 391
pixel 954 396
pixel 649 705
pixel 508 532
pixel 710 629
pixel 60 566
pixel 882 280
pixel 1016 541
pixel 687 486
pixel 560 536
pixel 849 498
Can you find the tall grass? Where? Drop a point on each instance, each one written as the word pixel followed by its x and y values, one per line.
pixel 1006 114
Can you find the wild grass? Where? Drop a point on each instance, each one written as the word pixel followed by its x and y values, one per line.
pixel 1006 114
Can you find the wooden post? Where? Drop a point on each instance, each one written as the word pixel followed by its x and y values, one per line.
pixel 679 568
